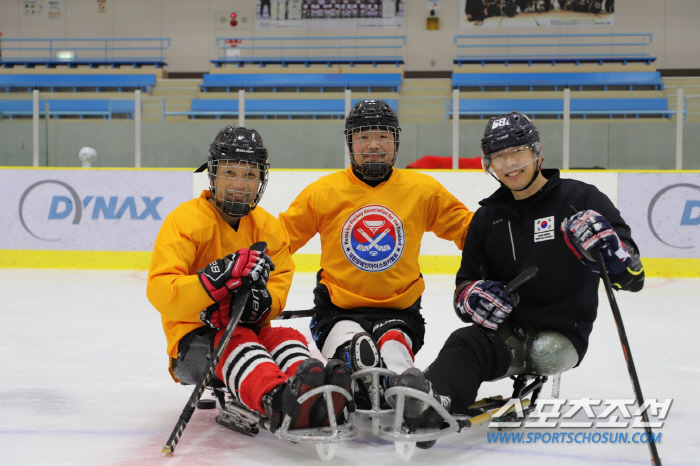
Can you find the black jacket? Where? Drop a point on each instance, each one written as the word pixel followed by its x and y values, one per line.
pixel 500 244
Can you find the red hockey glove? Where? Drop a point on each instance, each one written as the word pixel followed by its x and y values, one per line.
pixel 223 276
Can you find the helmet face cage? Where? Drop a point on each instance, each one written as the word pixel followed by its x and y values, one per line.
pixel 237 185
pixel 512 158
pixel 511 130
pixel 237 170
pixel 376 148
pixel 368 121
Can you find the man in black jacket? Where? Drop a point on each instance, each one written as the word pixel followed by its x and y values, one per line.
pixel 534 219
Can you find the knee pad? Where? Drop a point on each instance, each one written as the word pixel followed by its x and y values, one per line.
pixel 543 352
pixel 193 356
pixel 551 353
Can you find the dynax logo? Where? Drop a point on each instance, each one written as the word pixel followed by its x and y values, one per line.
pixel 108 208
pixel 689 217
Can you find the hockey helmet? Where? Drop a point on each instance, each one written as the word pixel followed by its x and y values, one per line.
pixel 241 151
pixel 372 116
pixel 510 130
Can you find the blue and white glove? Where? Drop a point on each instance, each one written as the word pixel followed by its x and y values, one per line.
pixel 484 302
pixel 586 232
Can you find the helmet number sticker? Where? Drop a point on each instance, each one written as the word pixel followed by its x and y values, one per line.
pixel 497 123
pixel 373 238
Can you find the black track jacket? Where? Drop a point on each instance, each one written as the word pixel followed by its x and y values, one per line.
pixel 500 244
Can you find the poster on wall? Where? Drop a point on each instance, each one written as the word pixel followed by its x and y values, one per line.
pixel 102 6
pixel 55 10
pixel 329 14
pixel 32 7
pixel 535 13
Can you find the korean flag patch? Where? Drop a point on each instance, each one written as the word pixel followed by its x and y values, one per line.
pixel 544 229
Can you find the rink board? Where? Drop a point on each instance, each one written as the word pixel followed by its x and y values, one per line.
pixel 109 218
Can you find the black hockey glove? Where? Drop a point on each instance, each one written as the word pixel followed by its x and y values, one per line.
pixel 588 231
pixel 218 315
pixel 484 302
pixel 258 307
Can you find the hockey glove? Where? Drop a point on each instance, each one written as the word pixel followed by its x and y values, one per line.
pixel 259 273
pixel 218 315
pixel 223 276
pixel 484 302
pixel 588 231
pixel 258 307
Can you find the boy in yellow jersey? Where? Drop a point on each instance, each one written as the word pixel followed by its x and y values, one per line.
pixel 200 259
pixel 371 218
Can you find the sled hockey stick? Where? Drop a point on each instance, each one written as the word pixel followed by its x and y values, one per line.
pixel 518 281
pixel 655 460
pixel 513 285
pixel 238 307
pixel 299 313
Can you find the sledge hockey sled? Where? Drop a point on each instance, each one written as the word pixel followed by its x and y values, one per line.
pixel 376 412
pixel 481 411
pixel 245 421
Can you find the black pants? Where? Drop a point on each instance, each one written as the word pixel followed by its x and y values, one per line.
pixel 469 357
pixel 374 321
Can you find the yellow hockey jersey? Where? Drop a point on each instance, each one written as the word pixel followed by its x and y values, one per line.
pixel 370 237
pixel 192 236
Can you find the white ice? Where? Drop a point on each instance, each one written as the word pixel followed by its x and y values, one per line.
pixel 84 380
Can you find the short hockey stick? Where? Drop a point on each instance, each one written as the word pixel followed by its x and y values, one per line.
pixel 241 299
pixel 655 460
pixel 518 281
pixel 508 290
pixel 298 313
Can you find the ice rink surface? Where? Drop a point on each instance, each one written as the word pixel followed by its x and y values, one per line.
pixel 84 380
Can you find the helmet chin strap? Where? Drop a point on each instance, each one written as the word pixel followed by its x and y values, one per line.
pixel 534 176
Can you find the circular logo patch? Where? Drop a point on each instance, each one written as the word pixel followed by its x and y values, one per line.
pixel 373 238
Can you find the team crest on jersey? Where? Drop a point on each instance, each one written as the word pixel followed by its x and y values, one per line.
pixel 373 238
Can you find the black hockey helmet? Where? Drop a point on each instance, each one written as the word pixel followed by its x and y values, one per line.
pixel 237 144
pixel 513 129
pixel 369 115
pixel 509 130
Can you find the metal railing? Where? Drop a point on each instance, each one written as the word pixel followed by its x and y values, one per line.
pixel 305 49
pixel 539 47
pixel 95 50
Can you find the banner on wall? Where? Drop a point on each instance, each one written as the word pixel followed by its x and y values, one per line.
pixel 535 13
pixel 329 14
pixel 663 210
pixel 87 210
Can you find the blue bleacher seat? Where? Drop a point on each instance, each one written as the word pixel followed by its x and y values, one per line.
pixel 487 108
pixel 76 82
pixel 280 82
pixel 80 108
pixel 556 81
pixel 271 108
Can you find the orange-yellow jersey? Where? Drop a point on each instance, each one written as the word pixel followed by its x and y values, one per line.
pixel 370 237
pixel 194 235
